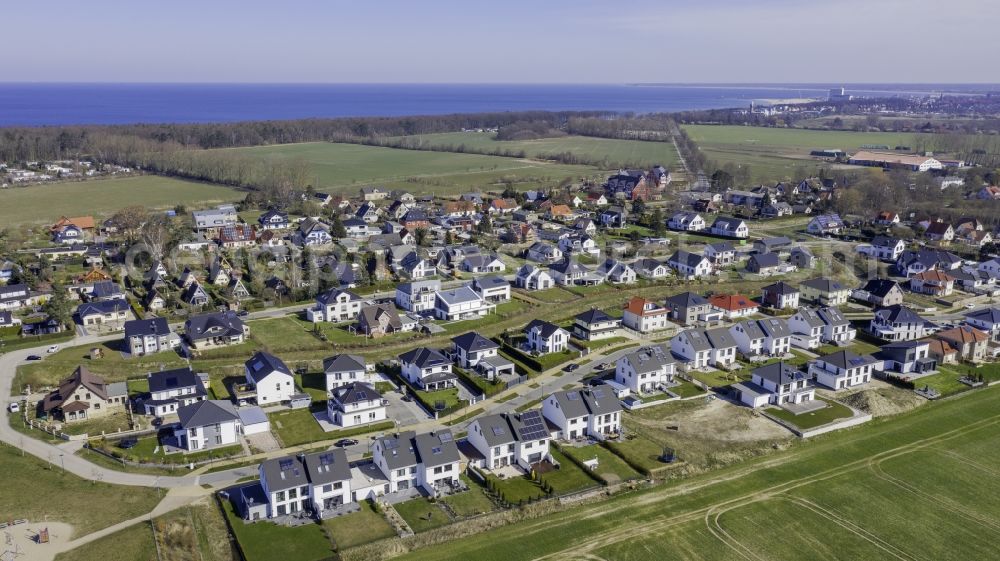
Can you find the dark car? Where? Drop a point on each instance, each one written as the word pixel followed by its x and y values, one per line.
pixel 570 367
pixel 34 357
pixel 243 313
pixel 345 442
pixel 127 443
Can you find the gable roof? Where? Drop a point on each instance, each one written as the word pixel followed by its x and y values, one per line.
pixel 172 379
pixel 143 327
pixel 436 448
pixel 424 357
pixel 544 328
pixel 207 412
pixel 474 342
pixel 355 392
pixel 263 364
pixel 343 363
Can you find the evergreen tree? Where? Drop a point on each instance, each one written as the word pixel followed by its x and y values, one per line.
pixel 59 306
pixel 337 229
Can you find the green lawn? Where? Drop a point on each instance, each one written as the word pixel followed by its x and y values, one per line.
pixel 610 467
pixel 687 389
pixel 918 485
pixel 832 412
pixel 103 197
pixel 263 541
pixel 357 528
pixel 569 478
pixel 345 168
pixel 285 334
pixel 38 489
pixel 422 515
pixel 296 426
pixel 516 490
pixel 639 452
pixel 471 502
pixel 946 380
pixel 616 153
pixel 718 378
pixel 775 154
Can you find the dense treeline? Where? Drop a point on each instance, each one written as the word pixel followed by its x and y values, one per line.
pixel 529 130
pixel 48 143
pixel 652 127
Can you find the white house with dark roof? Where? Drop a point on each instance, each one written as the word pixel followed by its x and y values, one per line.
pixel 569 272
pixel 578 413
pixel 335 305
pixel 842 370
pixel 460 304
pixel 701 348
pixel 314 483
pixel 169 390
pixel 427 369
pixel 645 369
pixel 408 461
pixel 531 277
pixel 762 337
pixel 651 268
pixel 986 319
pixel 689 265
pixel 355 404
pixel 417 296
pixel 686 221
pixel 343 369
pixel 270 377
pixel 149 336
pixel 472 351
pixel 720 254
pixel 730 228
pixel 616 272
pixel 510 439
pixel 214 330
pixel 544 337
pixel 492 288
pixel 780 296
pixel 594 324
pixel 776 384
pixel 899 323
pixel 207 424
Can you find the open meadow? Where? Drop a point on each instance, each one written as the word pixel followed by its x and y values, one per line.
pixel 344 168
pixel 775 154
pixel 616 153
pixel 45 203
pixel 914 486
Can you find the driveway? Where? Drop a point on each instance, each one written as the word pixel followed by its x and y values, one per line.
pixel 404 412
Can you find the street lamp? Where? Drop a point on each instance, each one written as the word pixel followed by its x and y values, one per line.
pixel 62 462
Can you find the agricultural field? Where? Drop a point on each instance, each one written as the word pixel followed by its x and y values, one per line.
pixel 780 154
pixel 914 487
pixel 616 153
pixel 45 203
pixel 345 168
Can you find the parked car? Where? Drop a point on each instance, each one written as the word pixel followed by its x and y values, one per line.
pixel 14 407
pixel 52 349
pixel 570 367
pixel 243 313
pixel 34 357
pixel 128 443
pixel 345 442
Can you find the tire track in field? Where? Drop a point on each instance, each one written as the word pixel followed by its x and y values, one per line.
pixel 969 462
pixel 616 535
pixel 853 528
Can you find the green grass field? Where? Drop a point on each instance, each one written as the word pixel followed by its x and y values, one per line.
pixel 358 528
pixel 777 154
pixel 345 168
pixel 832 412
pixel 134 543
pixel 915 486
pixel 616 152
pixel 102 197
pixel 422 515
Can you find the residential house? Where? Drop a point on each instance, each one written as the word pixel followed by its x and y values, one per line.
pixel 616 272
pixel 940 232
pixel 733 306
pixel 971 343
pixel 492 289
pixel 933 283
pixel 780 296
pixel 236 236
pixel 700 348
pixel 765 264
pixel 730 228
pixel 645 316
pixel 207 424
pixel 775 384
pixel 886 248
pixel 801 258
pixel 148 336
pixel 688 308
pixel 169 390
pixel 613 217
pixel 569 272
pixel 415 266
pixel 595 413
pixel 899 323
pixel 377 320
pixel 645 369
pixel 215 329
pixel 987 320
pixel 541 252
pixel 460 303
pixel 825 292
pixel 417 296
pixel 335 305
pixel 270 377
pixel 107 313
pixel 720 254
pixel 812 327
pixel 825 225
pixel 886 218
pixel 881 293
pixel 427 369
pixel 510 439
pixel 544 337
pixel 779 245
pixel 312 483
pixel 311 233
pixel 762 337
pixel 343 369
pixel 686 221
pixel 651 269
pixel 84 396
pixel 910 263
pixel 530 277
pixel 594 324
pixel 273 219
pixel 216 218
pixel 483 263
pixel 472 351
pixel 373 193
pixel 690 265
pixel 906 357
pixel 355 404
pixel 842 370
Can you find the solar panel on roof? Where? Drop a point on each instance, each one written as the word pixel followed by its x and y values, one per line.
pixel 285 464
pixel 362 395
pixel 444 437
pixel 598 392
pixel 573 396
pixel 326 459
pixel 391 444
pixel 436 450
pixel 498 431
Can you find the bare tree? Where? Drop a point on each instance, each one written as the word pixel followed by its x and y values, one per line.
pixel 156 234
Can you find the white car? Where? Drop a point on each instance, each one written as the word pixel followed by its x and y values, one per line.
pixel 970 306
pixel 52 349
pixel 14 407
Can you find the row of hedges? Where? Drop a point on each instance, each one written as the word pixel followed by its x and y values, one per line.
pixel 519 355
pixel 576 461
pixel 483 385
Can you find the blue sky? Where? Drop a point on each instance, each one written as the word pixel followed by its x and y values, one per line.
pixel 549 41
